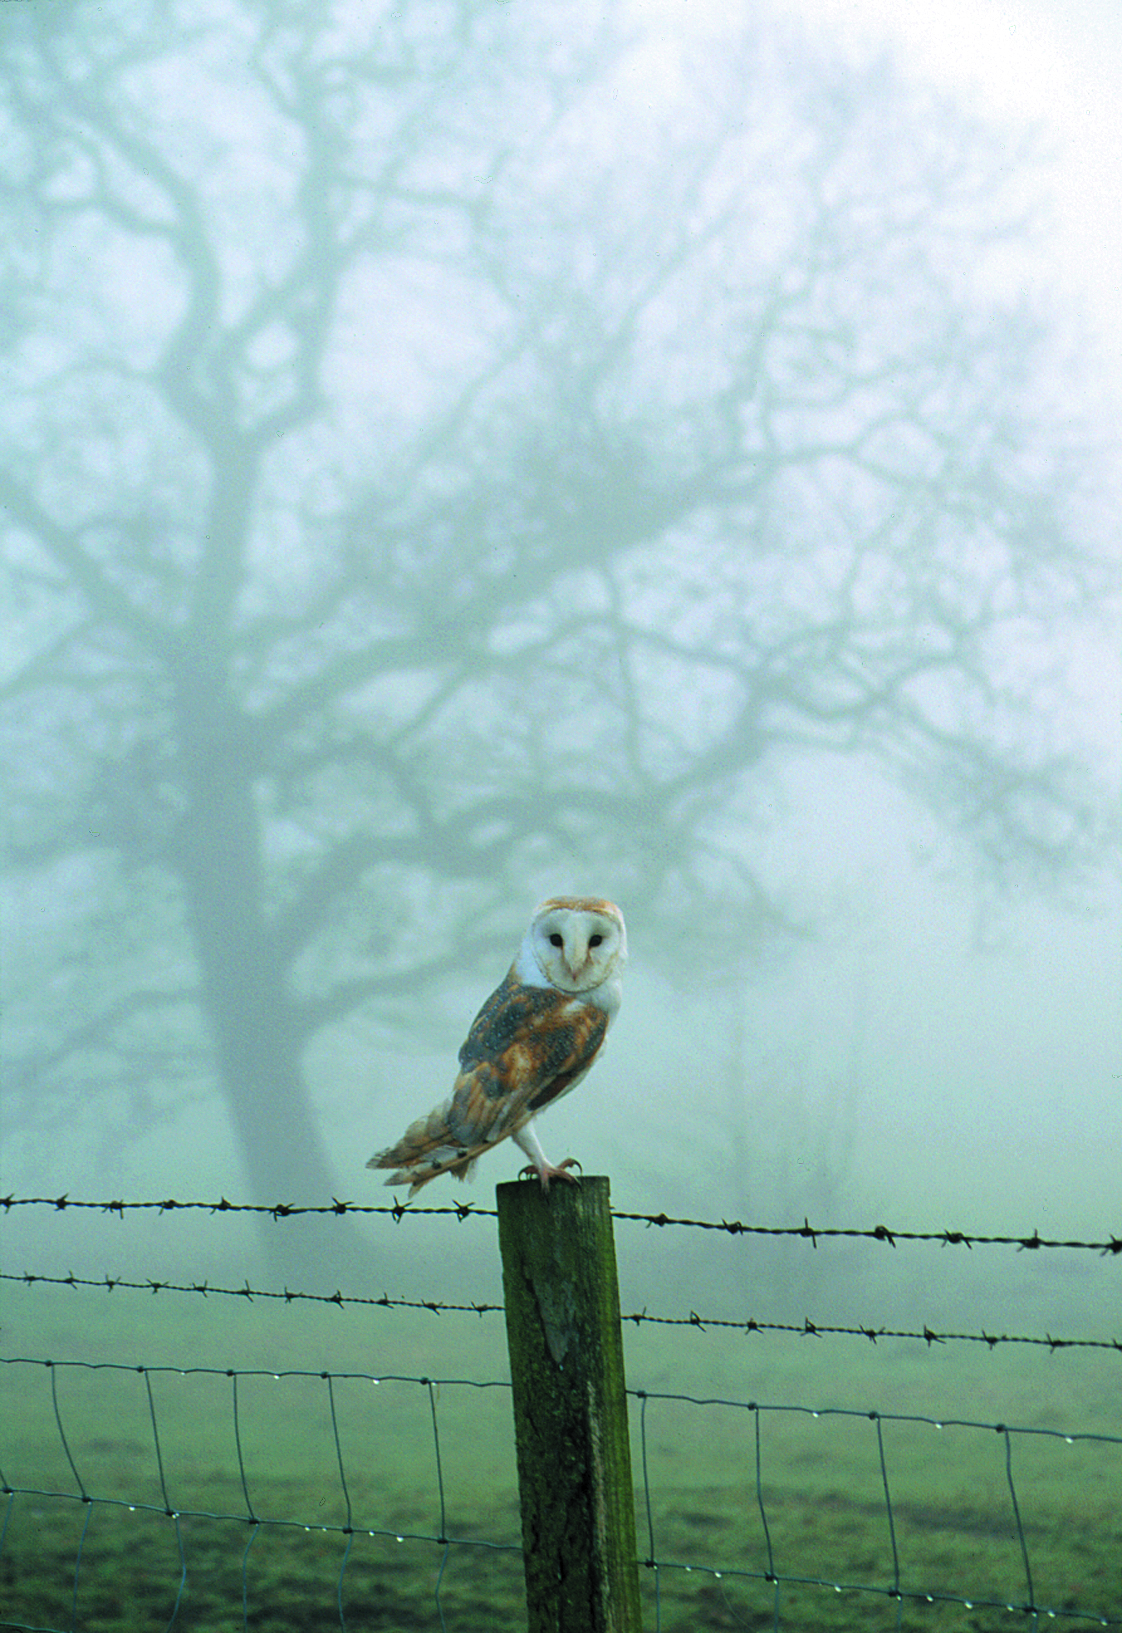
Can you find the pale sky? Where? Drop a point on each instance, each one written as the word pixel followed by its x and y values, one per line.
pixel 1056 64
pixel 1036 59
pixel 1056 61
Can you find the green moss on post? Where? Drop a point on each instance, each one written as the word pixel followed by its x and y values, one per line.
pixel 570 1407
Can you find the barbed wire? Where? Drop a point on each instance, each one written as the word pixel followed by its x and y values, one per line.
pixel 248 1293
pixel 1110 1247
pixel 805 1329
pixel 927 1335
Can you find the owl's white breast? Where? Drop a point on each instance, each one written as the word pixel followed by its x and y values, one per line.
pixel 606 996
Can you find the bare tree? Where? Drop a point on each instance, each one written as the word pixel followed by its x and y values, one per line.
pixel 409 483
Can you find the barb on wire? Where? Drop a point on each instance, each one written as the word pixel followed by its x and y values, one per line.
pixel 275 1210
pixel 286 1295
pixel 1111 1246
pixel 806 1329
pixel 877 1233
pixel 812 1329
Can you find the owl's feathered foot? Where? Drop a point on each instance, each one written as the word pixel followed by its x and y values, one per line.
pixel 546 1171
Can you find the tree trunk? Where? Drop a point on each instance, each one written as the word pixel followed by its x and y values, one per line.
pixel 243 988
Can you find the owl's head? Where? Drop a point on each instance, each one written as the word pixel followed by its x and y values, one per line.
pixel 578 942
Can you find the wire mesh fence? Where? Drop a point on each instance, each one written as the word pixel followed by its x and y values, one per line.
pixel 141 1495
pixel 866 1523
pixel 104 1527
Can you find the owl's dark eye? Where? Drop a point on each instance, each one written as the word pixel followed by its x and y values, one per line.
pixel 594 941
pixel 555 940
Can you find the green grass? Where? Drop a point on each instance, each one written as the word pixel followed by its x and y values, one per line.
pixel 820 1476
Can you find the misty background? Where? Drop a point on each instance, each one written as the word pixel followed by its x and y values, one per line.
pixel 457 453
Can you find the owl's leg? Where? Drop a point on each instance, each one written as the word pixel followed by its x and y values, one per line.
pixel 527 1140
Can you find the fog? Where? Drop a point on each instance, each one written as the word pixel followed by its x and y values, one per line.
pixel 457 455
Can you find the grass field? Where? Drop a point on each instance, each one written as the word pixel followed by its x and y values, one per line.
pixel 707 1467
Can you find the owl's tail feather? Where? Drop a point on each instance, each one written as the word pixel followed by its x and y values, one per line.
pixel 426 1150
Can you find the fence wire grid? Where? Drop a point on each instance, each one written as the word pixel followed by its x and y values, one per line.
pixel 354 1518
pixel 750 1567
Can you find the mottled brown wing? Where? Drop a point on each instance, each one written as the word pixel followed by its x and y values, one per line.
pixel 526 1047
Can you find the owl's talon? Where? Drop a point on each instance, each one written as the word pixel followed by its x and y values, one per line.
pixel 548 1172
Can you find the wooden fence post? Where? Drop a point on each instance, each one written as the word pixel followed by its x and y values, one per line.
pixel 570 1407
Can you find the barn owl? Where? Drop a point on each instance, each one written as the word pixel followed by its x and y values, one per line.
pixel 533 1041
